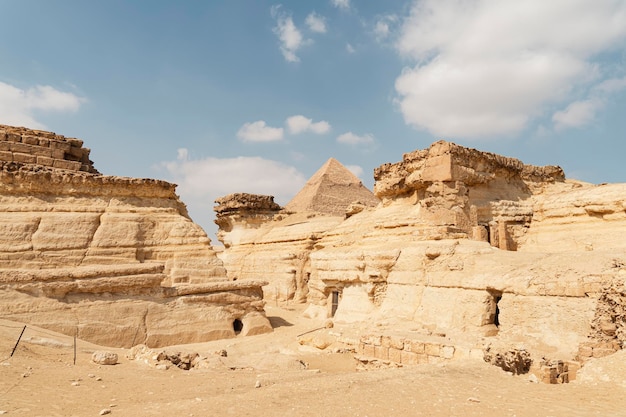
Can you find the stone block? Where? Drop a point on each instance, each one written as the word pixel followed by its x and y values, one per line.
pixel 369 350
pixel 381 352
pixel 21 147
pixel 422 359
pixel 64 146
pixel 75 142
pixel 45 134
pixel 14 137
pixel 44 160
pixel 385 341
pixel 447 352
pixel 41 151
pixel 76 152
pixel 75 166
pixel 24 158
pixel 5 146
pixel 417 347
pixel 408 358
pixel 57 153
pixel 432 349
pixel 6 156
pixel 45 142
pixel 395 355
pixel 30 140
pixel 3 134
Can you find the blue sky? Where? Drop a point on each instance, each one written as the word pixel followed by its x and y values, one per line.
pixel 254 96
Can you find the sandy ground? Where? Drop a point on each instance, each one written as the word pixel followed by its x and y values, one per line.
pixel 264 376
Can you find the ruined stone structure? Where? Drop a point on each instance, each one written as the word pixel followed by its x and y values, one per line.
pixel 479 249
pixel 116 260
pixel 18 144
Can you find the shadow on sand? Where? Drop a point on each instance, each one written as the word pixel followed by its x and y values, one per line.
pixel 276 321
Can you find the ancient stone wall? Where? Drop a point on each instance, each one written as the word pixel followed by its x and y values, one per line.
pixel 18 144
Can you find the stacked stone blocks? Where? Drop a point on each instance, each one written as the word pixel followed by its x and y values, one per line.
pixel 28 146
pixel 405 351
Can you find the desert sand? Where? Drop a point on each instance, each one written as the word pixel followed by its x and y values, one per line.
pixel 274 375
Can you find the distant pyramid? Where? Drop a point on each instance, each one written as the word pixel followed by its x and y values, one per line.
pixel 331 190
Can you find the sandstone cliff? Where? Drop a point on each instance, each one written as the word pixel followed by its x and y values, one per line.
pixel 117 260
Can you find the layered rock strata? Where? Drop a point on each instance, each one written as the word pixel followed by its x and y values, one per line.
pixel 116 260
pixel 484 249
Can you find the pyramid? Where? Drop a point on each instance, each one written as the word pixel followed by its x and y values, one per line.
pixel 331 190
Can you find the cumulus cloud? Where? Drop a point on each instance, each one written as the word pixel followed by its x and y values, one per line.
pixel 382 28
pixel 583 112
pixel 350 138
pixel 18 106
pixel 577 114
pixel 350 49
pixel 487 68
pixel 316 23
pixel 290 37
pixel 259 132
pixel 341 4
pixel 300 124
pixel 201 181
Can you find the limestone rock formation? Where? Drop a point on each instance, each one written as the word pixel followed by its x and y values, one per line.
pixel 117 260
pixel 481 248
pixel 264 241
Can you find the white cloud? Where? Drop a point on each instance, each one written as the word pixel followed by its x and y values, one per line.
pixel 355 169
pixel 487 68
pixel 259 132
pixel 582 112
pixel 350 138
pixel 316 23
pixel 18 107
pixel 612 85
pixel 382 28
pixel 577 114
pixel 201 181
pixel 341 4
pixel 299 124
pixel 350 48
pixel 290 37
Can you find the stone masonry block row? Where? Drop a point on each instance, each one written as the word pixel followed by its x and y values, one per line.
pixel 43 148
pixel 404 351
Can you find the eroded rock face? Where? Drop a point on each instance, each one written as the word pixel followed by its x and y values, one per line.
pixel 117 260
pixel 472 245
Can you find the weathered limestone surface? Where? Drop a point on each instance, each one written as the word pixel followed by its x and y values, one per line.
pixel 264 241
pixel 478 247
pixel 117 260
